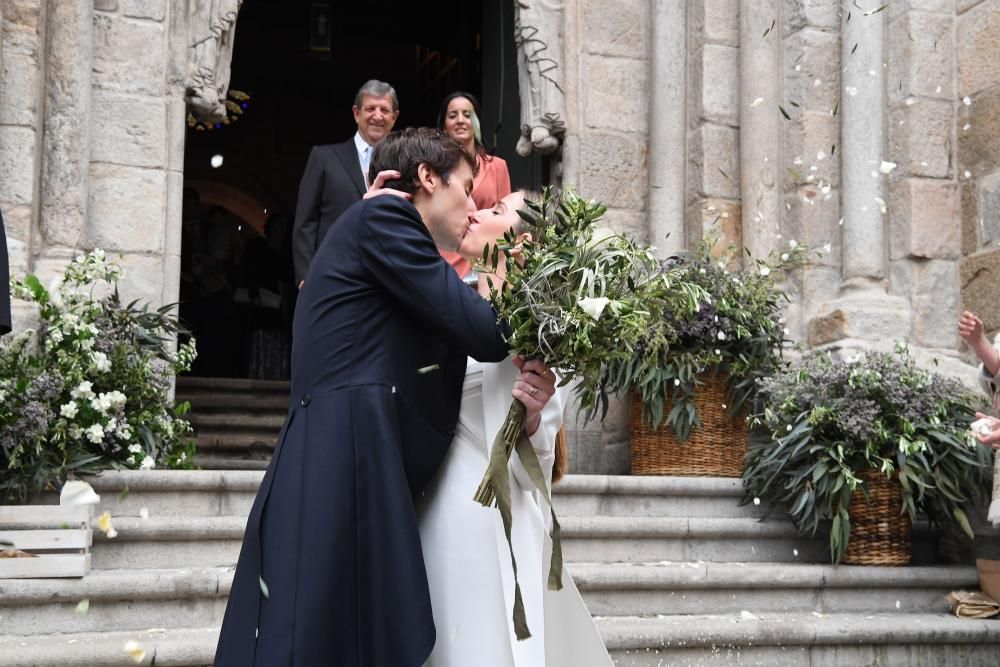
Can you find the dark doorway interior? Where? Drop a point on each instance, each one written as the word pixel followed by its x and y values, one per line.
pixel 299 63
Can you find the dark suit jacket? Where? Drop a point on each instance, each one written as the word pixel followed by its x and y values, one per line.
pixel 5 287
pixel 331 182
pixel 382 331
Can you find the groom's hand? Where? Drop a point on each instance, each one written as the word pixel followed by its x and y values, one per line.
pixel 534 386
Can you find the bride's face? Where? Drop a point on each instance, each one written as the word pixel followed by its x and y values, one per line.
pixel 490 224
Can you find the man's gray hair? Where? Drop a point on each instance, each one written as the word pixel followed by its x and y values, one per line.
pixel 377 88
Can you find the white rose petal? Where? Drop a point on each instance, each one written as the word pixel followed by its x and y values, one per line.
pixel 76 492
pixel 721 335
pixel 144 513
pixel 83 606
pixel 784 257
pixel 757 102
pixel 966 100
pixel 593 306
pixel 756 501
pixel 135 651
pixel 881 205
pixel 827 248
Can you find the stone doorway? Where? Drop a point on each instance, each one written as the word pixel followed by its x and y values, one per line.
pixel 295 69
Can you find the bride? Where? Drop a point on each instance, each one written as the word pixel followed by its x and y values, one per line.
pixel 465 551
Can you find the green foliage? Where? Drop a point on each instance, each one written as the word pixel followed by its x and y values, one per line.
pixel 91 390
pixel 735 327
pixel 579 297
pixel 822 422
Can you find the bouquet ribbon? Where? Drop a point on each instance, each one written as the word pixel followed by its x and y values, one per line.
pixel 496 488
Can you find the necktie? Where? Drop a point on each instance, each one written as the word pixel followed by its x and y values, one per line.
pixel 366 156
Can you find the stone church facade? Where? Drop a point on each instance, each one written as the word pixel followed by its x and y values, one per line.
pixel 872 126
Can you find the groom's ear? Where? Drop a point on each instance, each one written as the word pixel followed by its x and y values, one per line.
pixel 427 179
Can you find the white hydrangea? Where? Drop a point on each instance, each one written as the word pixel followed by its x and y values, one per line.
pixel 117 398
pixel 69 410
pixel 75 432
pixel 100 362
pixel 147 463
pixel 56 336
pixel 87 344
pixel 111 426
pixel 84 390
pixel 135 448
pixel 101 403
pixel 95 433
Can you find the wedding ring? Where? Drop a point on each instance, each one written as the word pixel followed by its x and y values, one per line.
pixel 533 391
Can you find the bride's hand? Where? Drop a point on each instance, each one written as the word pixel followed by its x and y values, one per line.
pixel 534 386
pixel 378 186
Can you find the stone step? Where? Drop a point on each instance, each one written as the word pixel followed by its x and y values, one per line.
pixel 237 423
pixel 641 539
pixel 169 542
pixel 629 589
pixel 247 445
pixel 176 493
pixel 622 495
pixel 802 640
pixel 235 402
pixel 220 461
pixel 123 600
pixel 164 647
pixel 188 385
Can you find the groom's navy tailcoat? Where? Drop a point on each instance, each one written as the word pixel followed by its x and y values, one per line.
pixel 331 570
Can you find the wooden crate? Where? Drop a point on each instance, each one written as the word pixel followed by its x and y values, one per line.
pixel 59 537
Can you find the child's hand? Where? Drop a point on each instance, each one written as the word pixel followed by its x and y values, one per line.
pixel 970 327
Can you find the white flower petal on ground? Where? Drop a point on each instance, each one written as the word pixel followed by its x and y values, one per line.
pixel 593 306
pixel 757 102
pixel 887 167
pixel 135 651
pixel 144 513
pixel 76 492
pixel 83 606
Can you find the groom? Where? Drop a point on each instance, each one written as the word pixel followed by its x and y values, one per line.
pixel 331 571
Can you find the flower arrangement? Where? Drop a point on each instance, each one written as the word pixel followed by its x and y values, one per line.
pixel 736 329
pixel 91 388
pixel 821 423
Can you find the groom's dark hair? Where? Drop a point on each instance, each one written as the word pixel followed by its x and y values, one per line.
pixel 406 150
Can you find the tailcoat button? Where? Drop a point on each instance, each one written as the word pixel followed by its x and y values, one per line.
pixel 305 400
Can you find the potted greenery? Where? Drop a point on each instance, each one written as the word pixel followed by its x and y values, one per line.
pixel 91 390
pixel 866 443
pixel 697 370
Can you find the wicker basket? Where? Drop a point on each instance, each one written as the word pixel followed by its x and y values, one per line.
pixel 717 449
pixel 880 530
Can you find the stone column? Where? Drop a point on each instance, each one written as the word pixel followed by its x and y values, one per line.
pixel 65 146
pixel 760 124
pixel 667 127
pixel 864 310
pixel 862 141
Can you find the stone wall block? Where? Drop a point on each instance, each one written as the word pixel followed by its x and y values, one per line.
pixel 714 170
pixel 616 28
pixel 143 277
pixel 966 5
pixel 176 133
pixel 799 14
pixel 174 213
pixel 129 55
pixel 973 226
pixel 980 280
pixel 17 164
pixel 616 93
pixel 979 145
pixel 934 286
pixel 714 21
pixel 986 203
pixel 811 55
pixel 19 81
pixel 719 216
pixel 21 14
pixel 921 56
pixel 17 223
pixel 109 6
pixel 920 139
pixel 129 130
pixel 626 221
pixel 154 10
pixel 900 7
pixel 979 48
pixel 813 220
pixel 613 169
pixel 814 139
pixel 922 220
pixel 127 209
pixel 715 85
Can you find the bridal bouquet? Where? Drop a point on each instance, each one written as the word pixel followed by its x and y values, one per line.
pixel 579 298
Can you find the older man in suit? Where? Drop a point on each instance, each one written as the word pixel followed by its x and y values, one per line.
pixel 335 175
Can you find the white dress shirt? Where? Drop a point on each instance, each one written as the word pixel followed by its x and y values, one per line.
pixel 364 155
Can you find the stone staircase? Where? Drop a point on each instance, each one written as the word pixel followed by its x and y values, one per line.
pixel 673 570
pixel 236 421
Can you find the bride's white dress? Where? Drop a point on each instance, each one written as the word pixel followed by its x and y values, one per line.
pixel 466 556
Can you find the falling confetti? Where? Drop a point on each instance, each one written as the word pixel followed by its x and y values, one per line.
pixel 135 651
pixel 966 100
pixel 144 513
pixel 887 167
pixel 757 102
